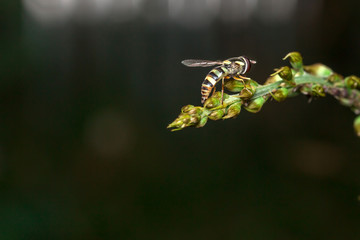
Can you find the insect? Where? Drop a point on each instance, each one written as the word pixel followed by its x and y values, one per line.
pixel 234 67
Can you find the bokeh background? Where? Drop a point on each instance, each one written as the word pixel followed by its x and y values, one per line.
pixel 87 88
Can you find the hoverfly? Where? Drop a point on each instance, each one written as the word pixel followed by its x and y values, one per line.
pixel 234 67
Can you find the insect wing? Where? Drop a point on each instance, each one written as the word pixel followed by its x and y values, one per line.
pixel 200 63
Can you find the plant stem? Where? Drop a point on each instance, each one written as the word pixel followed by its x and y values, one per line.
pixel 303 79
pixel 315 80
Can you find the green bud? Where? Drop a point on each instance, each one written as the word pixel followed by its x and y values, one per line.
pixel 225 96
pixel 195 111
pixel 175 124
pixel 273 78
pixel 247 92
pixel 280 94
pixel 202 122
pixel 334 78
pixel 352 82
pixel 255 105
pixel 234 85
pixel 185 118
pixel 217 114
pixel 212 102
pixel 317 90
pixel 218 95
pixel 233 110
pixel 319 70
pixel 305 89
pixel 187 108
pixel 215 100
pixel 296 60
pixel 189 116
pixel 357 125
pixel 194 119
pixel 285 73
pixel 180 122
pixel 253 83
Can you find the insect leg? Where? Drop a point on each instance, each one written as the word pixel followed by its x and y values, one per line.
pixel 241 79
pixel 214 90
pixel 222 91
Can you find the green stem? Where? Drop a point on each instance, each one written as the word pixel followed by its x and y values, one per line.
pixel 303 79
pixel 312 80
pixel 266 89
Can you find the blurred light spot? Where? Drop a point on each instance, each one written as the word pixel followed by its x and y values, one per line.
pixel 276 10
pixel 107 9
pixel 317 158
pixel 238 10
pixel 50 11
pixel 175 7
pixel 155 11
pixel 189 13
pixel 109 134
pixel 124 10
pixel 193 14
pixel 103 6
pixel 213 6
pixel 54 11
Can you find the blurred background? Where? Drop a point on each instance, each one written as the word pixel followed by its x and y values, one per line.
pixel 87 88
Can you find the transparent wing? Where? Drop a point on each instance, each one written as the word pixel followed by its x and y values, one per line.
pixel 200 63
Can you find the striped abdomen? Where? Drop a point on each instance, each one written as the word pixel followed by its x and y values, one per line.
pixel 211 79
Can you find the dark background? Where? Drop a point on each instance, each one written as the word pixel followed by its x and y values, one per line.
pixel 87 89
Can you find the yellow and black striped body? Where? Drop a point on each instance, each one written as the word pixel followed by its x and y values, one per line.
pixel 232 67
pixel 215 75
pixel 229 68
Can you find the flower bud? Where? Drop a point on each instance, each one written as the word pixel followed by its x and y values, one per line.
pixel 212 102
pixel 319 70
pixel 317 90
pixel 247 92
pixel 189 116
pixel 202 122
pixel 217 114
pixel 225 96
pixel 194 119
pixel 218 95
pixel 195 111
pixel 357 125
pixel 175 124
pixel 286 74
pixel 253 83
pixel 280 94
pixel 181 122
pixel 233 110
pixel 334 78
pixel 352 82
pixel 185 118
pixel 187 108
pixel 305 89
pixel 255 105
pixel 234 85
pixel 273 78
pixel 296 60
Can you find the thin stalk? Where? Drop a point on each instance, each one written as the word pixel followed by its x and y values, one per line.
pixel 315 80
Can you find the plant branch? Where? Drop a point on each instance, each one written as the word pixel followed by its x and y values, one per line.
pixel 315 80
